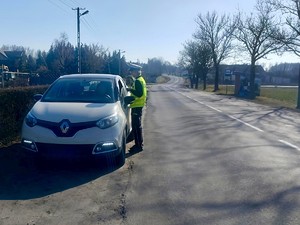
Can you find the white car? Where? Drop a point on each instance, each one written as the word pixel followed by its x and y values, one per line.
pixel 80 115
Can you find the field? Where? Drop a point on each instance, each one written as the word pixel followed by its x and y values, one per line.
pixel 273 96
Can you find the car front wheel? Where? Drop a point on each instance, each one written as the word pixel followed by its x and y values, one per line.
pixel 120 159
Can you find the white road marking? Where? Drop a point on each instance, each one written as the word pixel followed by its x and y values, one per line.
pixel 247 124
pixel 213 108
pixel 234 118
pixel 220 111
pixel 289 144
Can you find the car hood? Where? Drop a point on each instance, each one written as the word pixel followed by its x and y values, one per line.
pixel 74 112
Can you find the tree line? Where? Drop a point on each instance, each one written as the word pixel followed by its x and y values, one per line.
pixel 273 27
pixel 62 59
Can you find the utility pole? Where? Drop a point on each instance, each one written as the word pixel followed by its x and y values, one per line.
pixel 78 36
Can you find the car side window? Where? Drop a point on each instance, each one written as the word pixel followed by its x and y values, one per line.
pixel 122 89
pixel 122 92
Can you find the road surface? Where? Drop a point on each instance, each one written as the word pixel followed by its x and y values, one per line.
pixel 210 159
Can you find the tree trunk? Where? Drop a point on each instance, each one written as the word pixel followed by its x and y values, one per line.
pixel 298 99
pixel 192 83
pixel 216 77
pixel 252 79
pixel 204 82
pixel 197 81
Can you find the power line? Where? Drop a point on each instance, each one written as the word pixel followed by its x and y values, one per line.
pixel 88 22
pixel 75 2
pixel 85 22
pixel 65 4
pixel 53 3
pixel 93 21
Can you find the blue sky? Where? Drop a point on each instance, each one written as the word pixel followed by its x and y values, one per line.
pixel 143 29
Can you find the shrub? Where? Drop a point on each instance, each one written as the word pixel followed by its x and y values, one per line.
pixel 14 105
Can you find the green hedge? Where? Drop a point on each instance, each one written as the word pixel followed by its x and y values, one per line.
pixel 14 105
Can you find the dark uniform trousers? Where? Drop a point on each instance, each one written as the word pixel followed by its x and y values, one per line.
pixel 136 119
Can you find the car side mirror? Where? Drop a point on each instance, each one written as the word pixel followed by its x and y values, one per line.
pixel 128 99
pixel 37 97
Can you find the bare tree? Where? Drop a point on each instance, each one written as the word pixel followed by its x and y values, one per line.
pixel 188 60
pixel 93 58
pixel 217 33
pixel 205 58
pixel 197 59
pixel 258 34
pixel 61 57
pixel 291 10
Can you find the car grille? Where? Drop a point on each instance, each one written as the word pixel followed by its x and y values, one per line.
pixel 73 128
pixel 62 151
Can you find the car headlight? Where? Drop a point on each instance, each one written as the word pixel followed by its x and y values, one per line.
pixel 108 121
pixel 30 120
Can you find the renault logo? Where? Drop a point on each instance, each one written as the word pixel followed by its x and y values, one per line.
pixel 64 127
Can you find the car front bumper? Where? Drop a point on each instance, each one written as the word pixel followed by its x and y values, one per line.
pixel 93 142
pixel 72 151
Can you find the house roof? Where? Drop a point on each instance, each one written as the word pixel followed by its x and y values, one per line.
pixel 10 55
pixel 13 54
pixel 3 56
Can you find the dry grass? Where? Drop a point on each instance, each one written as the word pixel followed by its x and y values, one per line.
pixel 162 79
pixel 272 96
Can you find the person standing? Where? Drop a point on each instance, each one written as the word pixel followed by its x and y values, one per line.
pixel 139 92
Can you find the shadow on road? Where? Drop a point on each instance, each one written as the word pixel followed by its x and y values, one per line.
pixel 21 178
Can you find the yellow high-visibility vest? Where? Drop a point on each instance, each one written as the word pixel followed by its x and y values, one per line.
pixel 139 101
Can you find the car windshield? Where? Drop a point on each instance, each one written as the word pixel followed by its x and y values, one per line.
pixel 80 90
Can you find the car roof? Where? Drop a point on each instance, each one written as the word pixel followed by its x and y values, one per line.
pixel 90 75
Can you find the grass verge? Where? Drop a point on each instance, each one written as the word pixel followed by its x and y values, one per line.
pixel 271 96
pixel 162 79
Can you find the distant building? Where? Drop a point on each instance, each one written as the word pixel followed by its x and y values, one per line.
pixel 10 59
pixel 243 70
pixel 10 76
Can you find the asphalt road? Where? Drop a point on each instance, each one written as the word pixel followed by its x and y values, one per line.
pixel 208 159
pixel 211 159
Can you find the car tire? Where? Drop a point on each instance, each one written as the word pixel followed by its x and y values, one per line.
pixel 115 162
pixel 120 159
